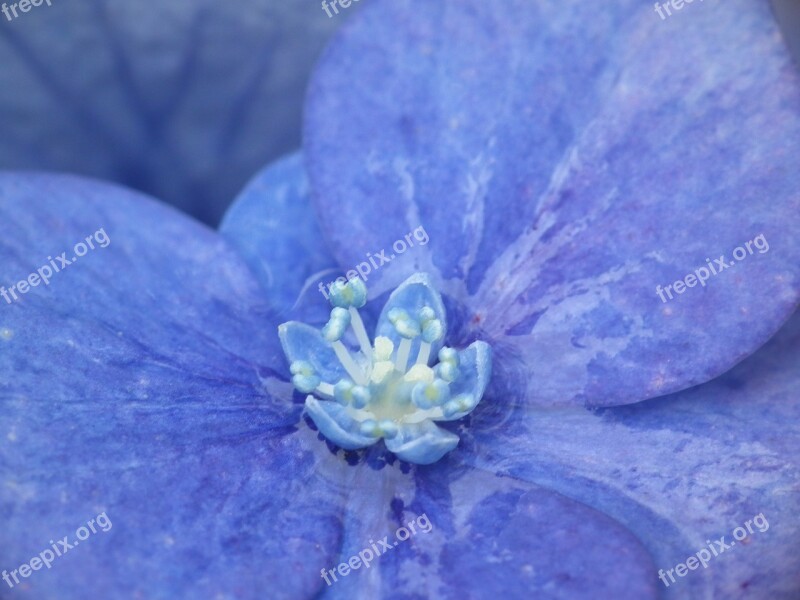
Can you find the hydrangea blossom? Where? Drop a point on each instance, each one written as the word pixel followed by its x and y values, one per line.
pixel 182 100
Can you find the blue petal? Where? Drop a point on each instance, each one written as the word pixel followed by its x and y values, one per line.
pixel 565 164
pixel 679 470
pixel 412 295
pixel 184 100
pixel 472 534
pixel 336 425
pixel 302 342
pixel 138 383
pixel 273 226
pixel 475 367
pixel 422 443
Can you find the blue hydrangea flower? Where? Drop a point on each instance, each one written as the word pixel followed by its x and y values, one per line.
pixel 148 380
pixel 182 100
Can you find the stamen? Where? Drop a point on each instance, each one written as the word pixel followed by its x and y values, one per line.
pixel 401 360
pixel 403 323
pixel 460 403
pixel 424 353
pixel 350 293
pixel 388 429
pixel 326 389
pixel 337 325
pixel 361 332
pixel 447 371
pixel 349 364
pixel 432 331
pixel 383 348
pixel 428 395
pixel 380 371
pixel 420 373
pixel 370 428
pixel 304 378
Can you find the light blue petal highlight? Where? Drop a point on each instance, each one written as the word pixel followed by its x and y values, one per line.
pixel 337 425
pixel 475 368
pixel 422 443
pixel 412 296
pixel 302 342
pixel 272 223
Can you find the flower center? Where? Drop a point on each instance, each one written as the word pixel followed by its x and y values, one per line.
pixel 395 387
pixel 381 390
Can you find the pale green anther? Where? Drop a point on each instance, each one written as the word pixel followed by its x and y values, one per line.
pixel 376 429
pixel 381 371
pixel 337 325
pixel 461 403
pixel 301 367
pixel 361 396
pixel 427 395
pixel 447 371
pixel 305 384
pixel 448 355
pixel 383 348
pixel 370 428
pixel 404 324
pixel 304 377
pixel 420 373
pixel 350 293
pixel 432 331
pixel 388 429
pixel 343 392
pixel 426 314
pixel 346 393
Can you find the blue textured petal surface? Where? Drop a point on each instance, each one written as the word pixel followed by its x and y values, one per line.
pixel 336 425
pixel 273 226
pixel 184 100
pixel 478 535
pixel 139 382
pixel 422 443
pixel 679 470
pixel 302 342
pixel 565 162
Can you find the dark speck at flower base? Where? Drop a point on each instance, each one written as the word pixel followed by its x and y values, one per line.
pixel 511 409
